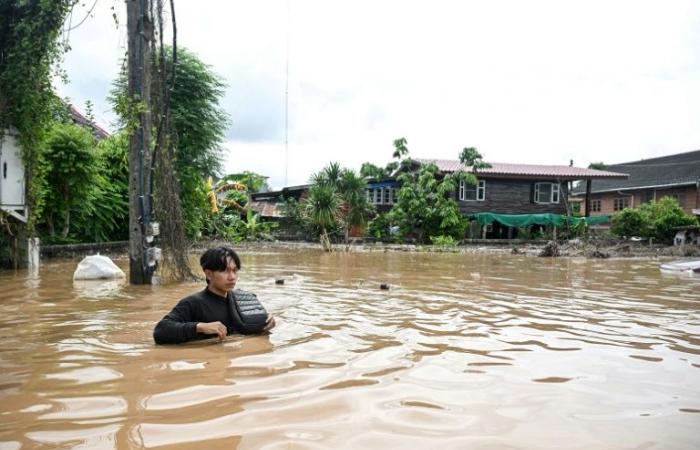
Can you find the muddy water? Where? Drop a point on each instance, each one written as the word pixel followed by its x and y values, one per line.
pixel 464 351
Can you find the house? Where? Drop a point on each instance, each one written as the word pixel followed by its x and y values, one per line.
pixel 269 204
pixel 12 184
pixel 12 190
pixel 507 195
pixel 383 194
pixel 676 176
pixel 79 119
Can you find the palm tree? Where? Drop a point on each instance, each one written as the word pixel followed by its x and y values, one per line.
pixel 355 208
pixel 322 208
pixel 329 175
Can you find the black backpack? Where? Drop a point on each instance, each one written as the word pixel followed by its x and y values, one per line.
pixel 249 315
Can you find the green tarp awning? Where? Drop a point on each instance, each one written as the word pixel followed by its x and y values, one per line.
pixel 525 220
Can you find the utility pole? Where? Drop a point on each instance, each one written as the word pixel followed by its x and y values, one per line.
pixel 140 31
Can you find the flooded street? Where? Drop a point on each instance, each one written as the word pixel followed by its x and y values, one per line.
pixel 464 351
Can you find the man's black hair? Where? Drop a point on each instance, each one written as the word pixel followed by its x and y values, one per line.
pixel 216 259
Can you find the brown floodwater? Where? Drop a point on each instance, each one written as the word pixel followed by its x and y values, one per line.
pixel 463 351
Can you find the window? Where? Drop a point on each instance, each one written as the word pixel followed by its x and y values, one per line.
pixel 472 192
pixel 546 192
pixel 382 196
pixel 621 203
pixel 388 198
pixel 596 205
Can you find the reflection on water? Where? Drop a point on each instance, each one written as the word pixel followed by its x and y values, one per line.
pixel 464 351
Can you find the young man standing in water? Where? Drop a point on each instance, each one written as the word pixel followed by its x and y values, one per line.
pixel 206 313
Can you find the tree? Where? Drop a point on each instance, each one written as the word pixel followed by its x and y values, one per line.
pixel 71 172
pixel 425 207
pixel 198 124
pixel 355 209
pixel 352 207
pixel 321 208
pixel 370 171
pixel 400 149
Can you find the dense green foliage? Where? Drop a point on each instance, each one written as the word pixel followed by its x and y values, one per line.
pixel 198 124
pixel 426 206
pixel 337 198
pixel 86 186
pixel 370 171
pixel 235 220
pixel 652 220
pixel 105 216
pixel 380 226
pixel 70 169
pixel 30 48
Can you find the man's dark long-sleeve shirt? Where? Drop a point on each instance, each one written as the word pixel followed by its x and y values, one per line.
pixel 180 324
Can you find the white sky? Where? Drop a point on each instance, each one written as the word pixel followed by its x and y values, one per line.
pixel 535 81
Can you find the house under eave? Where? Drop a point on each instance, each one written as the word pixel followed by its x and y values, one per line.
pixel 676 176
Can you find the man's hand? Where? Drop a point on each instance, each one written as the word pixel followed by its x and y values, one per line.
pixel 269 323
pixel 217 328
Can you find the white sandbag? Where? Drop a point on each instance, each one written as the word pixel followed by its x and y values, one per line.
pixel 96 267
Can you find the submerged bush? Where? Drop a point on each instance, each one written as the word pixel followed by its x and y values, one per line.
pixel 443 241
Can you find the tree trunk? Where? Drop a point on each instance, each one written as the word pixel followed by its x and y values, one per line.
pixel 325 240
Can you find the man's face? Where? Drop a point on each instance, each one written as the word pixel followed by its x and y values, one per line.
pixel 225 280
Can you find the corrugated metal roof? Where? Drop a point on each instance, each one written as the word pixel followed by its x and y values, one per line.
pixel 665 171
pixel 265 209
pixel 526 170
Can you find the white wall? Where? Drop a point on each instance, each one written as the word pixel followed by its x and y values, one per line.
pixel 11 174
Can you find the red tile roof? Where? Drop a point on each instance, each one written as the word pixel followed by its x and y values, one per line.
pixel 525 170
pixel 80 119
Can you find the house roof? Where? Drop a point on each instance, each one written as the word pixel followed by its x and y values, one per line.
pixel 509 170
pixel 665 171
pixel 265 209
pixel 80 119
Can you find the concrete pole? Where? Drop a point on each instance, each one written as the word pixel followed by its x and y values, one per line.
pixel 140 30
pixel 33 254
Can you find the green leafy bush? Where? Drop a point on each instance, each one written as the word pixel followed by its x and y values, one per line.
pixel 379 227
pixel 443 241
pixel 656 220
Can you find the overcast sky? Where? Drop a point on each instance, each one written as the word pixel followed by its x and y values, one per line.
pixel 539 82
